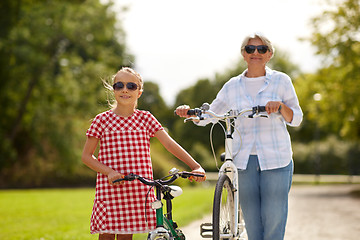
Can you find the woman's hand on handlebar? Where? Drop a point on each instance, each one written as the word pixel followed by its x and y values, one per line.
pixel 182 111
pixel 273 107
pixel 279 107
pixel 198 170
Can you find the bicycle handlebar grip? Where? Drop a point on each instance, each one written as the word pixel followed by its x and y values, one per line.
pixel 197 175
pixel 191 112
pixel 190 174
pixel 129 177
pixel 195 111
pixel 119 180
pixel 262 109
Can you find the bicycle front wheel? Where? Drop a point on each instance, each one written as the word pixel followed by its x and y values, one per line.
pixel 223 210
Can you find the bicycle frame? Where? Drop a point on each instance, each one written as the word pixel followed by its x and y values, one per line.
pixel 229 169
pixel 164 222
pixel 166 228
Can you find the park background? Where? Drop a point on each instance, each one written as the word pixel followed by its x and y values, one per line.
pixel 54 53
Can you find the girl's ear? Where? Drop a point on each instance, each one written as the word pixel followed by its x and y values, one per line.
pixel 140 93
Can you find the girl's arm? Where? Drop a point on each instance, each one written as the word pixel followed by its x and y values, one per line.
pixel 90 160
pixel 173 147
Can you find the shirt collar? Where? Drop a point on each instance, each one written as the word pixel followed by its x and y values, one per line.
pixel 268 73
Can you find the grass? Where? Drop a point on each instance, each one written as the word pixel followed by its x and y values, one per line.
pixel 61 214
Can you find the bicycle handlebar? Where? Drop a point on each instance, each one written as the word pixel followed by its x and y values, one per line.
pixel 260 108
pixel 154 182
pixel 195 111
pixel 198 112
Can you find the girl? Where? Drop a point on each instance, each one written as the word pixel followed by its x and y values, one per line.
pixel 124 134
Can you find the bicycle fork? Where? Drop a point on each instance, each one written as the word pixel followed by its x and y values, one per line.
pixel 231 171
pixel 165 226
pixel 160 229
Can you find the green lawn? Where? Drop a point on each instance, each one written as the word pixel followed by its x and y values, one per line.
pixel 61 214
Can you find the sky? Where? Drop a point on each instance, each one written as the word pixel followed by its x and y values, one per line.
pixel 177 42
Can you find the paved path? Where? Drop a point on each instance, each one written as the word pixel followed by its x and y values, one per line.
pixel 326 212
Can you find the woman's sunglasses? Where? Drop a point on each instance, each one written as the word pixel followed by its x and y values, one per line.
pixel 262 49
pixel 130 86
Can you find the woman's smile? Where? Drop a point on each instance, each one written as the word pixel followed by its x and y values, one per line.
pixel 125 96
pixel 256 58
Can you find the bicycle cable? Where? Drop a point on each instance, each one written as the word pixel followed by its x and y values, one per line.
pixel 211 139
pixel 148 192
pixel 146 200
pixel 212 144
pixel 233 125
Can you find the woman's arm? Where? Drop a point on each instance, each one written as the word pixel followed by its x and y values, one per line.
pixel 173 147
pixel 90 160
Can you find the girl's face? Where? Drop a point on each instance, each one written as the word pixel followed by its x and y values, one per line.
pixel 124 95
pixel 256 58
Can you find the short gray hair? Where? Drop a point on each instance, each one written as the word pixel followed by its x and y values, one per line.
pixel 264 39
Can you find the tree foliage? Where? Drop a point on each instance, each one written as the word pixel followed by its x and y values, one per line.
pixel 53 55
pixel 152 101
pixel 337 40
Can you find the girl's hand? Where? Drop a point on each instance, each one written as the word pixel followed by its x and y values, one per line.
pixel 198 170
pixel 112 176
pixel 182 111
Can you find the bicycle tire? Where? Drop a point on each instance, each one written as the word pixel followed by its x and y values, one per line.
pixel 223 209
pixel 157 238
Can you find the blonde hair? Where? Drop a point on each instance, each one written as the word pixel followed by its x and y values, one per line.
pixel 264 39
pixel 108 84
pixel 131 71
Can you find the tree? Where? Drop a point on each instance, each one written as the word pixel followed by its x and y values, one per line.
pixel 54 54
pixel 336 37
pixel 152 101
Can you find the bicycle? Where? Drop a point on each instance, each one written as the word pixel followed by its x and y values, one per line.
pixel 227 220
pixel 166 227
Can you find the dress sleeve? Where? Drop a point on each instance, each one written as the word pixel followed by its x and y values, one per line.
pixel 96 127
pixel 153 125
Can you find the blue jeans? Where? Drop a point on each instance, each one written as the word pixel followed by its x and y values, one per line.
pixel 264 200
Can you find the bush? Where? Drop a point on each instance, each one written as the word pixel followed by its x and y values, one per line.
pixel 329 156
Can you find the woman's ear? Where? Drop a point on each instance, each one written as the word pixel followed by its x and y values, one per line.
pixel 269 56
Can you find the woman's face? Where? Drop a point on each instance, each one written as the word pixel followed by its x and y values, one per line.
pixel 256 59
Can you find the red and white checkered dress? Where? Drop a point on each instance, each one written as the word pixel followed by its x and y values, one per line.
pixel 125 147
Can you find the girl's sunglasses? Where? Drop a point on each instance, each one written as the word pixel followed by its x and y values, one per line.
pixel 262 49
pixel 130 86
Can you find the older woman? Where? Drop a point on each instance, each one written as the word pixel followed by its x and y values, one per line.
pixel 264 160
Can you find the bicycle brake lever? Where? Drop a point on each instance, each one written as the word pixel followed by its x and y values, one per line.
pixel 257 115
pixel 191 119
